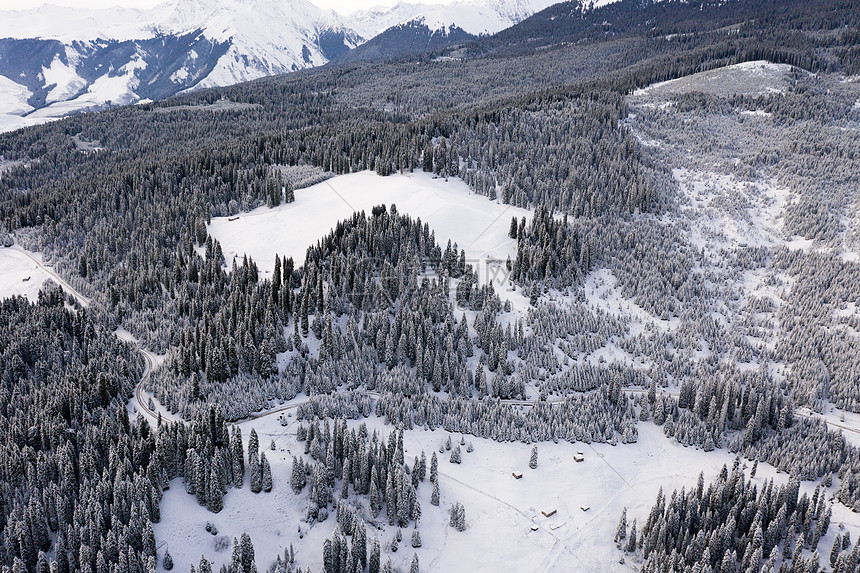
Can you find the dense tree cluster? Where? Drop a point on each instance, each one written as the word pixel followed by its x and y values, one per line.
pixel 602 416
pixel 82 482
pixel 366 465
pixel 372 297
pixel 549 251
pixel 731 524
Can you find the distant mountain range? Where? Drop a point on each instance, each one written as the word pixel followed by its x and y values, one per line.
pixel 57 60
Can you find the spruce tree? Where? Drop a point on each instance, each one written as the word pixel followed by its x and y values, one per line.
pixel 416 511
pixel 455 455
pixel 834 552
pixel 375 502
pixel 266 472
pixel 237 455
pixel 533 460
pixel 253 445
pixel 621 530
pixel 373 559
pixel 255 472
pixel 631 542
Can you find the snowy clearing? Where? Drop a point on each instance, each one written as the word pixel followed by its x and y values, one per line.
pixel 500 510
pixel 478 225
pixel 729 213
pixel 20 274
pixel 748 78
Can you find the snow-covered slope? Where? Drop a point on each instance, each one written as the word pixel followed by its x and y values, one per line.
pixel 265 36
pixel 475 17
pixel 58 60
pixel 411 29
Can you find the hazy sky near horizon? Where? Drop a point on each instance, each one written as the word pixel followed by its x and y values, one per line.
pixel 342 6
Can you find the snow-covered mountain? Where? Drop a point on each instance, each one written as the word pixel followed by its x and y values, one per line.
pixel 58 60
pixel 411 29
pixel 475 17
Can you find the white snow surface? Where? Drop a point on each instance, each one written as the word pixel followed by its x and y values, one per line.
pixel 478 225
pixel 20 275
pixel 65 79
pixel 748 78
pixel 106 90
pixel 475 17
pixel 500 510
pixel 13 97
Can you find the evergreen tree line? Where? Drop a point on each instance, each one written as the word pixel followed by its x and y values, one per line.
pixel 732 525
pixel 81 482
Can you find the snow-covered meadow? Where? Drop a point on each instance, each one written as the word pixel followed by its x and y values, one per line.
pixel 453 212
pixel 758 77
pixel 500 510
pixel 20 274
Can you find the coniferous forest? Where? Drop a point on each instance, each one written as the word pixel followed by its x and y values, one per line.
pixel 687 276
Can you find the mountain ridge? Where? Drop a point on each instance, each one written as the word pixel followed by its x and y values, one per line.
pixel 58 60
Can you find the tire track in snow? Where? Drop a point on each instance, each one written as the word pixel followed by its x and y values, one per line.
pixel 558 541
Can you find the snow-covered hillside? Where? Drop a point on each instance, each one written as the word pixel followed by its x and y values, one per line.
pixel 57 60
pixel 475 17
pixel 20 274
pixel 266 37
pixel 478 226
pixel 506 529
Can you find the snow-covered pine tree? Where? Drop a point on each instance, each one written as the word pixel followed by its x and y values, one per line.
pixel 631 542
pixel 373 559
pixel 255 471
pixel 621 530
pixel 266 473
pixel 455 455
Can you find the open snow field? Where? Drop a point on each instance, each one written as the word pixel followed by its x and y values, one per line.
pixel 748 78
pixel 478 225
pixel 20 274
pixel 500 510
